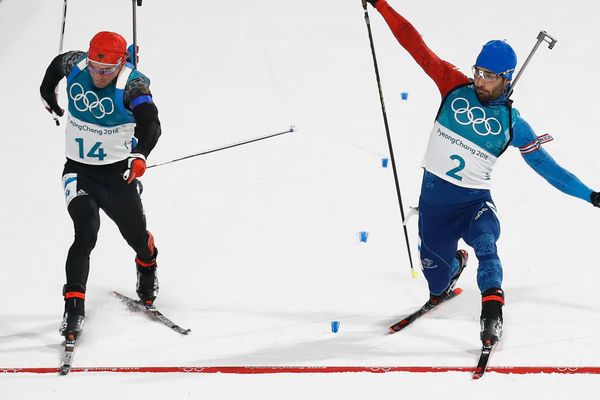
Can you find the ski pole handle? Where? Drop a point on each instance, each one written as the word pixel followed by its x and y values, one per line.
pixel 543 35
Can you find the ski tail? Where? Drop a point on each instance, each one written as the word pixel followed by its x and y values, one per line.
pixel 428 306
pixel 150 310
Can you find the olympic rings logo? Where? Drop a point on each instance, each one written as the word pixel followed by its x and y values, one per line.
pixel 89 101
pixel 475 116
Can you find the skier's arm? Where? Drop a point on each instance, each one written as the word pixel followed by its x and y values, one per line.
pixel 60 67
pixel 147 128
pixel 138 99
pixel 445 75
pixel 543 163
pixel 54 74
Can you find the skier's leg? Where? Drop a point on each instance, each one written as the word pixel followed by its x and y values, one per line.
pixel 126 210
pixel 482 235
pixel 438 239
pixel 83 210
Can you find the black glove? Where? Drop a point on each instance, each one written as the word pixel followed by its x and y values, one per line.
pixel 51 104
pixel 372 2
pixel 595 199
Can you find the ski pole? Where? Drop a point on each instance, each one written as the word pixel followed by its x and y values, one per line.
pixel 228 146
pixel 133 6
pixel 60 48
pixel 389 138
pixel 542 37
pixel 62 27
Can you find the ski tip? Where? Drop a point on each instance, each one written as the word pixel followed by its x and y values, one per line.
pixel 398 326
pixel 458 290
pixel 478 372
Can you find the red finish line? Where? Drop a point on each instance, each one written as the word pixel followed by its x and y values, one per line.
pixel 250 370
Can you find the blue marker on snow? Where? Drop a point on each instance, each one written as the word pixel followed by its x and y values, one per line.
pixel 335 326
pixel 363 236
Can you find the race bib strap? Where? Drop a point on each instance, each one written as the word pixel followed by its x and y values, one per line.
pixel 123 77
pixel 80 66
pixel 120 86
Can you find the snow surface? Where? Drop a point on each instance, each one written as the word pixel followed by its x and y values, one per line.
pixel 259 245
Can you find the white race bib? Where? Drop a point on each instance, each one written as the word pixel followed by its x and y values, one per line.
pixel 458 160
pixel 93 144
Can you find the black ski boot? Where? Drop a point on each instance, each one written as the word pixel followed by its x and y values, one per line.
pixel 491 316
pixel 462 256
pixel 74 315
pixel 147 282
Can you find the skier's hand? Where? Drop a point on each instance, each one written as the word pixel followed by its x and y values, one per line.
pixel 595 199
pixel 51 105
pixel 372 2
pixel 136 166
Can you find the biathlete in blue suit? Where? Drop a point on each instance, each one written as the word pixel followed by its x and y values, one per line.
pixel 475 124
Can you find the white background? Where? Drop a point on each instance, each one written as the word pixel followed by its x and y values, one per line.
pixel 259 245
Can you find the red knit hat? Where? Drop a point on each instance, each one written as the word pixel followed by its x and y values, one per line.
pixel 108 48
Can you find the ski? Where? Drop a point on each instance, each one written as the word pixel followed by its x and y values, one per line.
pixel 67 357
pixel 428 306
pixel 483 361
pixel 149 309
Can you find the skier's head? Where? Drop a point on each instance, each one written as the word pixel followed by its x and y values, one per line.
pixel 106 56
pixel 498 57
pixel 493 70
pixel 108 48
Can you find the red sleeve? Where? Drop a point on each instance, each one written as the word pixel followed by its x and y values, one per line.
pixel 445 75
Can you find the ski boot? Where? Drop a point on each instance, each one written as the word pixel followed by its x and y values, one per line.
pixel 462 256
pixel 74 315
pixel 147 282
pixel 491 316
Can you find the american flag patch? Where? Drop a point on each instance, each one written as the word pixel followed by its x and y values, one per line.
pixel 536 144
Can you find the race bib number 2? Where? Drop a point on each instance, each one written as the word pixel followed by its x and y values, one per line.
pixel 453 173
